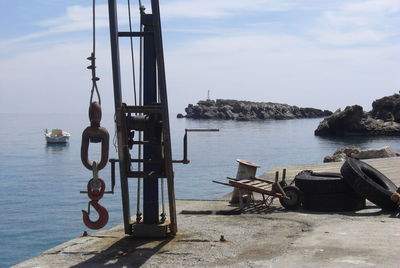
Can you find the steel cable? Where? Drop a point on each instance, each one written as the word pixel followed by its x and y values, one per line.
pixel 138 213
pixel 132 53
pixel 92 57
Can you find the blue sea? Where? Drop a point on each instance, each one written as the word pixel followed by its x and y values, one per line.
pixel 40 204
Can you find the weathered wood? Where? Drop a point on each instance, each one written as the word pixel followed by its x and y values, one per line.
pixel 246 186
pixel 263 180
pixel 223 183
pixel 390 167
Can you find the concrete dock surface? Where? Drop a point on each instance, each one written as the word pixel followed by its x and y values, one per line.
pixel 260 236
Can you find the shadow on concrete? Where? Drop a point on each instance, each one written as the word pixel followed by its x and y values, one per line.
pixel 253 208
pixel 368 211
pixel 127 252
pixel 395 214
pixel 235 211
pixel 261 208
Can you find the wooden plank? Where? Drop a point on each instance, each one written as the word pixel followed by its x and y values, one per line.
pixel 263 180
pixel 257 183
pixel 240 185
pixel 390 167
pixel 244 181
pixel 223 183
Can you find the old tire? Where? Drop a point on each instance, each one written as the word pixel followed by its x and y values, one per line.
pixel 369 183
pixel 329 202
pixel 321 182
pixel 295 196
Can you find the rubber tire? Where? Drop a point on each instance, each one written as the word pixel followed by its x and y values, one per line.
pixel 296 197
pixel 369 183
pixel 321 182
pixel 337 202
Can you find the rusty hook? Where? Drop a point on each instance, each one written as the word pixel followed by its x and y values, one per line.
pixel 101 221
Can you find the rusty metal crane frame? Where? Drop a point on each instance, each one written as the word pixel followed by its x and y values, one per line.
pixel 123 150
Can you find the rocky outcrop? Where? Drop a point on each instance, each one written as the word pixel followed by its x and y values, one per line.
pixel 246 111
pixel 354 121
pixel 341 154
pixel 387 108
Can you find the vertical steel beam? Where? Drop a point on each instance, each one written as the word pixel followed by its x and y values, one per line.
pixel 162 85
pixel 122 149
pixel 113 22
pixel 150 185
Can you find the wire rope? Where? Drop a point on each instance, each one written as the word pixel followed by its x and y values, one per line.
pixel 140 104
pixel 132 53
pixel 94 25
pixel 92 57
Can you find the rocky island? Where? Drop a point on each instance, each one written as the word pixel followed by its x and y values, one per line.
pixel 225 109
pixel 384 119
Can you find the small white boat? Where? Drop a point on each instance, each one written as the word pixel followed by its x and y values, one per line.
pixel 56 136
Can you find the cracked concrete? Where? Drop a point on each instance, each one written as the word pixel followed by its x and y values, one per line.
pixel 260 237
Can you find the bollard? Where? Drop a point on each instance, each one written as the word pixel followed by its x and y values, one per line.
pixel 245 170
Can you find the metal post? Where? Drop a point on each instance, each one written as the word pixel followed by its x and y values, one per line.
pixel 162 84
pixel 150 185
pixel 112 11
pixel 122 150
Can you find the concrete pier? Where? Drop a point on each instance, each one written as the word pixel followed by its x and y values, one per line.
pixel 258 237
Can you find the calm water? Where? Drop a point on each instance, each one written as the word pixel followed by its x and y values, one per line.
pixel 40 204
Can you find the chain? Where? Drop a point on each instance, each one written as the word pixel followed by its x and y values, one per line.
pixel 95 134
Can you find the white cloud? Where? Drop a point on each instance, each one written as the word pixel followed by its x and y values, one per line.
pixel 255 67
pixel 79 18
pixel 363 19
pixel 360 18
pixel 340 19
pixel 341 38
pixel 358 23
pixel 373 6
pixel 281 68
pixel 221 8
pixel 253 63
pixel 54 79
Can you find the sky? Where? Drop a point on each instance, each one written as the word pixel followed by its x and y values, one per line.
pixel 308 53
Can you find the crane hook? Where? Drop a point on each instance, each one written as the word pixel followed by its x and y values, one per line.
pixel 101 221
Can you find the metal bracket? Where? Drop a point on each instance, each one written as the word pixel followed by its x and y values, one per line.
pixel 185 159
pixel 95 172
